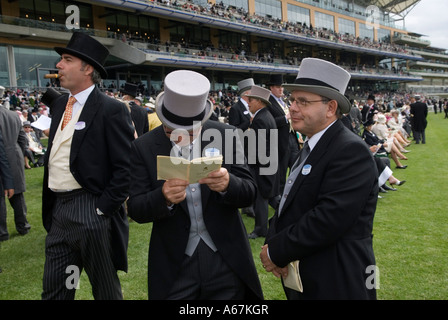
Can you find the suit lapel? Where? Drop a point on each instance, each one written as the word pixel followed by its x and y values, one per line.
pixel 87 116
pixel 313 159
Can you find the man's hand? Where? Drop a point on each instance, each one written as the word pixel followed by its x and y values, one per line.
pixel 269 266
pixel 9 193
pixel 217 180
pixel 174 190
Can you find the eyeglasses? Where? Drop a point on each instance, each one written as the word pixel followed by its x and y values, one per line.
pixel 304 103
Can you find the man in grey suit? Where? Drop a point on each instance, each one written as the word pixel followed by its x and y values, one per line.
pixel 15 142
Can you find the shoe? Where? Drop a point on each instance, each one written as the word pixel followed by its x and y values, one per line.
pixel 399 183
pixel 380 197
pixel 386 187
pixel 383 190
pixel 405 151
pixel 402 167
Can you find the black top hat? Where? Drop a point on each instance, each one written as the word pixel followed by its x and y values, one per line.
pixel 275 80
pixel 371 97
pixel 130 89
pixel 87 49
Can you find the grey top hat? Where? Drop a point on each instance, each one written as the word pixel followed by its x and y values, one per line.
pixel 183 104
pixel 323 78
pixel 245 85
pixel 260 93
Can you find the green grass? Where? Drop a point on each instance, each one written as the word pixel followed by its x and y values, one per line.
pixel 410 236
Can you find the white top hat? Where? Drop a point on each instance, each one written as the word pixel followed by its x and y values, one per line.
pixel 323 78
pixel 184 103
pixel 260 93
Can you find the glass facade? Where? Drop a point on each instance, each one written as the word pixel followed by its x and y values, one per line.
pixel 365 31
pixel 272 8
pixel 298 14
pixel 383 35
pixel 346 26
pixel 322 20
pixel 4 68
pixel 29 60
pixel 54 11
pixel 235 3
pixel 136 26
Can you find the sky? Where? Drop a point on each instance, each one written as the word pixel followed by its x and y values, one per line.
pixel 429 17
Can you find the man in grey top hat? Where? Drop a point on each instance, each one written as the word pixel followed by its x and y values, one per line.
pixel 199 247
pixel 239 114
pixel 325 216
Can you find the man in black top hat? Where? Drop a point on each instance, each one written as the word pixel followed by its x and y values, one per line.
pixel 138 114
pixel 369 109
pixel 86 178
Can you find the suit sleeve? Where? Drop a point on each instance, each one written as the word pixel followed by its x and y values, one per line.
pixel 6 180
pixel 119 136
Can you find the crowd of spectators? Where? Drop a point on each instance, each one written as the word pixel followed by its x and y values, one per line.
pixel 241 15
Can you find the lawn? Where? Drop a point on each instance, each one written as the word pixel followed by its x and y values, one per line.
pixel 410 236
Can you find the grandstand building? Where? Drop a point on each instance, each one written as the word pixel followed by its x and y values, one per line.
pixel 226 40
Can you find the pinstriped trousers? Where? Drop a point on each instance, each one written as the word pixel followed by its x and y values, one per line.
pixel 79 239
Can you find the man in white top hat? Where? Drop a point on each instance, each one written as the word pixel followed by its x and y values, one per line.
pixel 196 227
pixel 325 217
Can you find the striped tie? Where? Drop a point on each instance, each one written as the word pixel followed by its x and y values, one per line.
pixel 68 111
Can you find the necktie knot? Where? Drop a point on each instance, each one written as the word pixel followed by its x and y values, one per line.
pixel 68 112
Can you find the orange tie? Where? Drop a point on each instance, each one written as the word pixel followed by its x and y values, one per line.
pixel 68 111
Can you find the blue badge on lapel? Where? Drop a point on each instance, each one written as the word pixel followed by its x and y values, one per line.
pixel 306 169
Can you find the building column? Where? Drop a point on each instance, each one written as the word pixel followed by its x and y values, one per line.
pixel 12 66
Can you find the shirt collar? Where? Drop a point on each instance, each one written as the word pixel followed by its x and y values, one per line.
pixel 81 97
pixel 315 138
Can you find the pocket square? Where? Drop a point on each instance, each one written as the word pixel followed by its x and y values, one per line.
pixel 80 125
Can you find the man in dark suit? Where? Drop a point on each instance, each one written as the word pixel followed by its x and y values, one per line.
pixel 419 112
pixel 139 114
pixel 263 124
pixel 288 145
pixel 369 109
pixel 239 117
pixel 325 217
pixel 239 114
pixel 199 247
pixel 86 178
pixel 15 142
